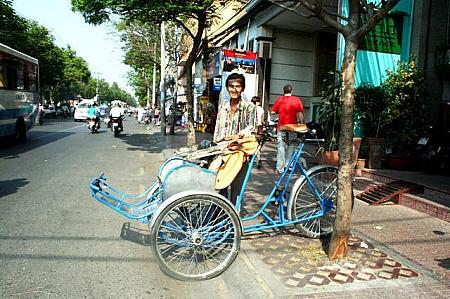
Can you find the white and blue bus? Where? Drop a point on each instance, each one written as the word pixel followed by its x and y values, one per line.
pixel 19 92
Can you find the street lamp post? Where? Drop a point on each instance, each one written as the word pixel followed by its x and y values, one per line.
pixel 96 87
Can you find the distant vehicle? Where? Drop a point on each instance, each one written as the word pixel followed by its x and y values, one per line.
pixel 82 109
pixel 92 125
pixel 19 92
pixel 63 111
pixel 50 111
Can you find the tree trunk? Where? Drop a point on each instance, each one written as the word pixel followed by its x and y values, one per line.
pixel 339 239
pixel 190 103
pixel 148 95
pixel 174 114
pixel 162 85
pixel 188 73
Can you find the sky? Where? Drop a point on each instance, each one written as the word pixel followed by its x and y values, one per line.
pixel 98 45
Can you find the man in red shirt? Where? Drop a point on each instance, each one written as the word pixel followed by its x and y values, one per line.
pixel 290 111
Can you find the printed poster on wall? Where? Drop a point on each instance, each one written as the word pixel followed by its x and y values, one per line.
pixel 239 61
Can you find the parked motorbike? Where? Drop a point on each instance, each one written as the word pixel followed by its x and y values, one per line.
pixel 115 125
pixel 92 125
pixel 436 153
pixel 432 151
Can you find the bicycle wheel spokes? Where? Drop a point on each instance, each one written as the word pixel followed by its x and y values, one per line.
pixel 315 216
pixel 197 238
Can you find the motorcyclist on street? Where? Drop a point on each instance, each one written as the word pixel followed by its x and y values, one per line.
pixel 117 112
pixel 93 112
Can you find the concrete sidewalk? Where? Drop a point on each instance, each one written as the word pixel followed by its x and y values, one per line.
pixel 394 251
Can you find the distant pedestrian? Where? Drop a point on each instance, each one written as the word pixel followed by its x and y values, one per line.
pixel 259 123
pixel 151 114
pixel 157 115
pixel 290 111
pixel 140 114
pixel 259 119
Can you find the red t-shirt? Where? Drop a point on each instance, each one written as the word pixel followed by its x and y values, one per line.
pixel 287 108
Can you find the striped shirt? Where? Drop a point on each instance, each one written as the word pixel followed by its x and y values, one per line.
pixel 241 122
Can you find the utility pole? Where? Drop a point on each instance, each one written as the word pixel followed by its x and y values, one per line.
pixel 162 85
pixel 154 79
pixel 96 74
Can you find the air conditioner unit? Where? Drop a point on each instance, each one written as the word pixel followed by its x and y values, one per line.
pixel 265 49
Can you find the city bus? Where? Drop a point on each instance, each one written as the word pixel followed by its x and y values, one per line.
pixel 19 93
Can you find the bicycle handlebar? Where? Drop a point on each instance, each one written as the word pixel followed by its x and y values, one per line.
pixel 314 140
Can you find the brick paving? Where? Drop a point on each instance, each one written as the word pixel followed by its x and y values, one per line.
pixel 302 262
pixel 391 251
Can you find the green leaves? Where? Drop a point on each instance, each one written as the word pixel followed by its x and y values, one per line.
pixel 62 74
pixel 405 90
pixel 331 110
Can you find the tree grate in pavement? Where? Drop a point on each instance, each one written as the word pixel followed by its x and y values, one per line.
pixel 392 191
pixel 302 262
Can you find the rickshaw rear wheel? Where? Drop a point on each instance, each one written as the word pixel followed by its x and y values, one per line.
pixel 305 204
pixel 196 237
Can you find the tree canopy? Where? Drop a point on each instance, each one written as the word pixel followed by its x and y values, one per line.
pixel 155 11
pixel 62 74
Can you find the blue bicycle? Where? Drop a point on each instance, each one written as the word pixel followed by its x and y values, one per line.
pixel 196 232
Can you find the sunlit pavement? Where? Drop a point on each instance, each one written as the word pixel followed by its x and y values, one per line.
pixel 393 250
pixel 56 241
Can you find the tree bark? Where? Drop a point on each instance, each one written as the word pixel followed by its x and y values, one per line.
pixel 188 73
pixel 190 103
pixel 162 85
pixel 174 114
pixel 338 243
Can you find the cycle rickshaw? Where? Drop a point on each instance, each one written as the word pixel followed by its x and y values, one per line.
pixel 196 232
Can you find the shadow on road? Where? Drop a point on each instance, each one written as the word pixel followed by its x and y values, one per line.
pixel 11 186
pixel 143 142
pixel 135 234
pixel 10 149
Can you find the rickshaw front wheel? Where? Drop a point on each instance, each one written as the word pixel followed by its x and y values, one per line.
pixel 196 237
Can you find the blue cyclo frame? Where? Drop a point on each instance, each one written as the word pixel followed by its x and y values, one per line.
pixel 278 196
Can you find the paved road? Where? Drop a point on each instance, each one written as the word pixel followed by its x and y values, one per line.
pixel 56 241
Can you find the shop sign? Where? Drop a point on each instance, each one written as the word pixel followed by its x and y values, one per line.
pixel 385 37
pixel 213 68
pixel 217 84
pixel 239 61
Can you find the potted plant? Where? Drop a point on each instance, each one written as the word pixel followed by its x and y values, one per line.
pixel 406 90
pixel 372 113
pixel 330 120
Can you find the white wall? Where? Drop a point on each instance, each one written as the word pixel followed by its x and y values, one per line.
pixel 293 63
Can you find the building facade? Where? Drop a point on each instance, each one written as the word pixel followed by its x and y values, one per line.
pixel 293 49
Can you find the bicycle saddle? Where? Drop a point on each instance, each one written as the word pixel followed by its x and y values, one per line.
pixel 296 128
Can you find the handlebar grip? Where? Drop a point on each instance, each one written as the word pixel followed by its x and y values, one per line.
pixel 315 140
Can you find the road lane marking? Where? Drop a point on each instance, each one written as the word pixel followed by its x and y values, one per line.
pixel 58 132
